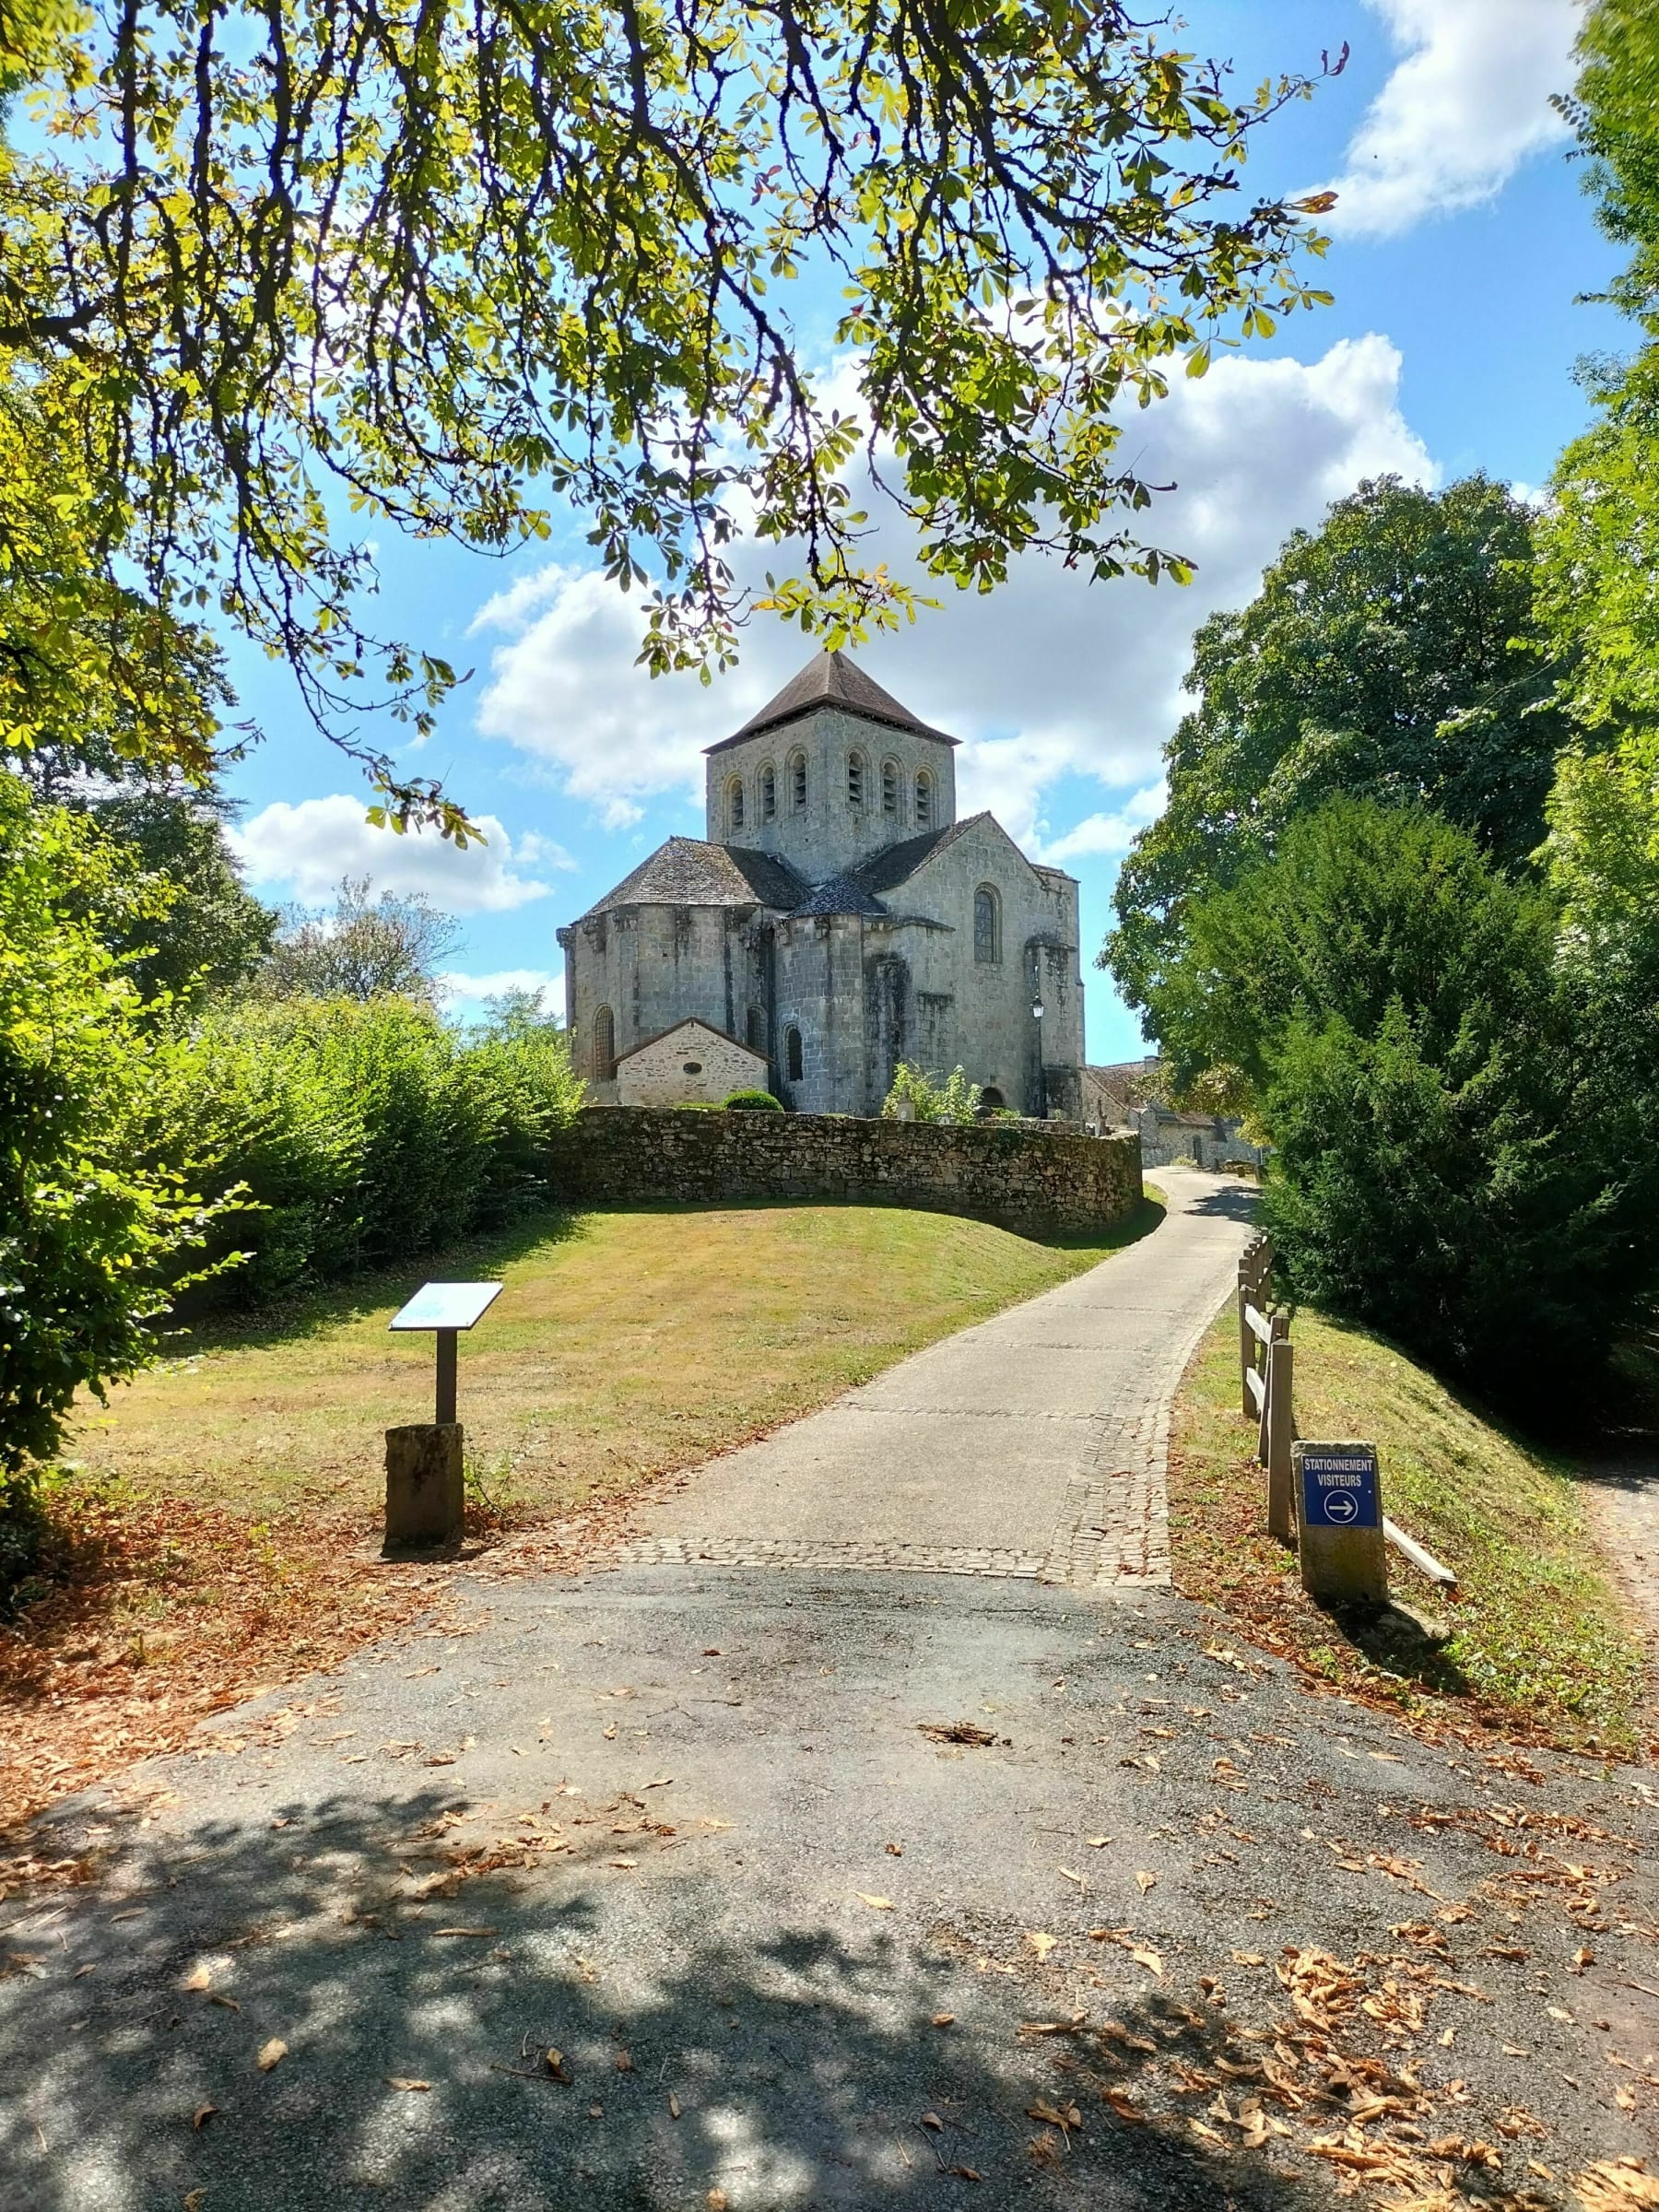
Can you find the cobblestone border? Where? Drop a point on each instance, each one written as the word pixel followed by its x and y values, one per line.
pixel 779 1551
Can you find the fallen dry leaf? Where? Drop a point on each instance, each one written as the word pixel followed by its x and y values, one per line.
pixel 195 2199
pixel 554 2062
pixel 957 1732
pixel 403 2082
pixel 1100 1843
pixel 1149 1960
pixel 716 2200
pixel 1124 2106
pixel 1147 1881
pixel 878 1904
pixel 229 2004
pixel 932 2120
pixel 944 2019
pixel 1616 2185
pixel 271 2053
pixel 1052 2115
pixel 466 1931
pixel 1042 1944
pixel 674 2106
pixel 201 1979
pixel 202 2114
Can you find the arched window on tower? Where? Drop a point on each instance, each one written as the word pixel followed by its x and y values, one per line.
pixel 768 793
pixel 754 1030
pixel 924 799
pixel 735 804
pixel 792 1055
pixel 889 789
pixel 855 778
pixel 987 926
pixel 605 1046
pixel 797 781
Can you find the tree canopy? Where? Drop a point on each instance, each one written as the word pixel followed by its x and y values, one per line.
pixel 276 272
pixel 366 948
pixel 1392 653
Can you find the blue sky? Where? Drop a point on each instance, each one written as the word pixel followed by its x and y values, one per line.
pixel 1462 239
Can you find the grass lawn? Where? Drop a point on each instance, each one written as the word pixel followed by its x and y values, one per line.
pixel 1539 1641
pixel 222 1531
pixel 623 1344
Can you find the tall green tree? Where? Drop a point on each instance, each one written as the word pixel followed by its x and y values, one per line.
pixel 1392 653
pixel 456 268
pixel 1444 1167
pixel 210 933
pixel 366 948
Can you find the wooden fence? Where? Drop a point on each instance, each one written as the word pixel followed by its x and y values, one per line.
pixel 1268 1394
pixel 1267 1381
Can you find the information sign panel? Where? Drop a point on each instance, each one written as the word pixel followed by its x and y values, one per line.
pixel 1339 1487
pixel 447 1306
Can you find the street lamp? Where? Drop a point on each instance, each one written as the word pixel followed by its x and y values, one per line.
pixel 1037 1018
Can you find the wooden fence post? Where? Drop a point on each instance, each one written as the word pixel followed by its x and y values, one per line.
pixel 1280 1423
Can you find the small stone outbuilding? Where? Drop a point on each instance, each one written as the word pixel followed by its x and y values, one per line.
pixel 690 1061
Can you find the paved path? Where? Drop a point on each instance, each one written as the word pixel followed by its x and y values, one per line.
pixel 693 1828
pixel 1032 1445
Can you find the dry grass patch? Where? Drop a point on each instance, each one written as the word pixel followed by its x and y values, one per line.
pixel 1539 1645
pixel 221 1531
pixel 624 1344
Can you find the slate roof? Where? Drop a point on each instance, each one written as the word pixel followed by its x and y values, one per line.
pixel 831 679
pixel 690 871
pixel 857 890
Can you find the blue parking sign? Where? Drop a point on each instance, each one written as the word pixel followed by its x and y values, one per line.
pixel 1339 1488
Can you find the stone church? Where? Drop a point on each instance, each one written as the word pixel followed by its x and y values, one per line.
pixel 837 919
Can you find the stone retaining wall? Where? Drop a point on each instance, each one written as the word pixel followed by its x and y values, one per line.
pixel 1028 1180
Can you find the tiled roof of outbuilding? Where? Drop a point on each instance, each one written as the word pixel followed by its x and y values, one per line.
pixel 831 679
pixel 690 871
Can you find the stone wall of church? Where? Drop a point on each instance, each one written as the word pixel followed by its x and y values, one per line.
pixel 832 830
pixel 1032 1180
pixel 652 965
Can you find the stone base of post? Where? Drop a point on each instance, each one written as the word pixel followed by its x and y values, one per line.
pixel 425 1492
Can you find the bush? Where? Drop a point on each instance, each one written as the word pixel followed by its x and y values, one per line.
pixel 931 1098
pixel 754 1102
pixel 364 1132
pixel 95 1240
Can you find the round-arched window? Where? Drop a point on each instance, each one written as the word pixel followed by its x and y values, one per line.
pixel 855 778
pixel 797 781
pixel 768 793
pixel 924 799
pixel 605 1045
pixel 734 804
pixel 987 926
pixel 791 1050
pixel 889 789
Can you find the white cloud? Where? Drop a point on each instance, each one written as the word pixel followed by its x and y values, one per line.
pixel 1110 835
pixel 1046 678
pixel 306 848
pixel 470 991
pixel 1461 112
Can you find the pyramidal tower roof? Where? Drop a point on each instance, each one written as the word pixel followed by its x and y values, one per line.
pixel 831 679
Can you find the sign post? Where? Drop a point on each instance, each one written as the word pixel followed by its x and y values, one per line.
pixel 1340 1523
pixel 425 1483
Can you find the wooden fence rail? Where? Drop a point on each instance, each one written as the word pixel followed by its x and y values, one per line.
pixel 1268 1397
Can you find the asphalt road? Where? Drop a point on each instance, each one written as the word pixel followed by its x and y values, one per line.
pixel 724 1771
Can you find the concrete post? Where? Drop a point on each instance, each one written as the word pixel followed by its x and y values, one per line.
pixel 1339 1524
pixel 425 1491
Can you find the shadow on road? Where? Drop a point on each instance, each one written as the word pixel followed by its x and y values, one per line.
pixel 786 2070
